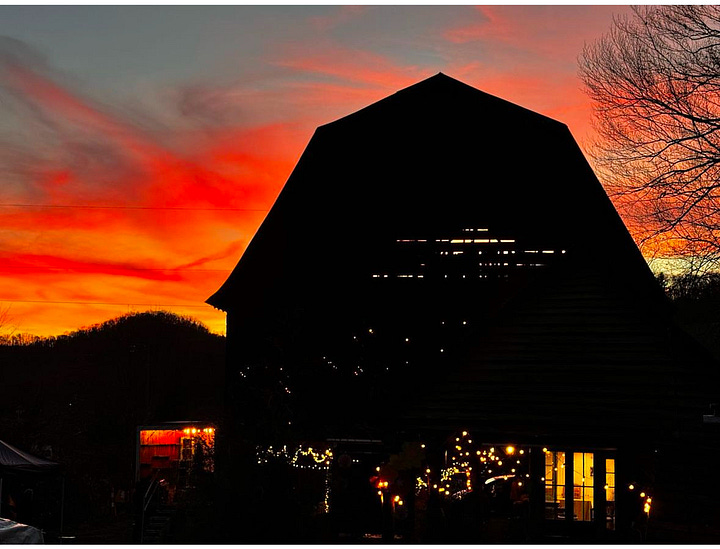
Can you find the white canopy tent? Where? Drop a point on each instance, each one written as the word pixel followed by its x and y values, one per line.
pixel 13 462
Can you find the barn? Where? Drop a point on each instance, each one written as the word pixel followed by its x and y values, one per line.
pixel 444 299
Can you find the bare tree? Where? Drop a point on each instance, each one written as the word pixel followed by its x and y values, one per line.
pixel 6 328
pixel 654 80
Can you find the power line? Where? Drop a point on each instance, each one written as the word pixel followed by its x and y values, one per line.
pixel 79 270
pixel 98 303
pixel 102 207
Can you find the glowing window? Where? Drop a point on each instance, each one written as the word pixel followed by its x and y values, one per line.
pixel 610 494
pixel 583 485
pixel 554 485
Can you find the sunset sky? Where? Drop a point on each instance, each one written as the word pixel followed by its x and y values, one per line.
pixel 141 147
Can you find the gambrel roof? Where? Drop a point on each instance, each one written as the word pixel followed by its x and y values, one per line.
pixel 435 156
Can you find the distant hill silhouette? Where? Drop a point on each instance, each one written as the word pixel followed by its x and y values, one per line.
pixel 77 398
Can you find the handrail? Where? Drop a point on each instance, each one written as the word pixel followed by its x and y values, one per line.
pixel 147 498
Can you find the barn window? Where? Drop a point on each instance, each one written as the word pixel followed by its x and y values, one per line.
pixel 583 475
pixel 554 485
pixel 610 494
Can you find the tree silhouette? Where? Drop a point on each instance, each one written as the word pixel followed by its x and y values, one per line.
pixel 655 83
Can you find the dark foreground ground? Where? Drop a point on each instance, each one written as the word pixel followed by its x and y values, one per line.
pixel 197 529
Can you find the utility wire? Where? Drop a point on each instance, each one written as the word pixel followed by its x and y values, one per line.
pixel 70 269
pixel 101 207
pixel 97 303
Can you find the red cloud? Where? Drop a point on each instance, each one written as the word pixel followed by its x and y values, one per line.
pixel 38 264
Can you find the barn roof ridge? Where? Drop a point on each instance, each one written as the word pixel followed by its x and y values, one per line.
pixel 438 84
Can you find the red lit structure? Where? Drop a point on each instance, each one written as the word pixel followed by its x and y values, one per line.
pixel 171 449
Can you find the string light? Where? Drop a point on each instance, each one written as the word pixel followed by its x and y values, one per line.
pixel 321 460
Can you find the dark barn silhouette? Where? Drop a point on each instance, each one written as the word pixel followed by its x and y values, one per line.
pixel 445 260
